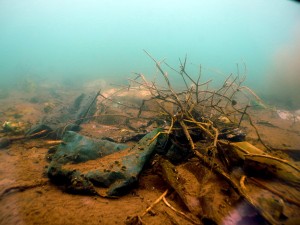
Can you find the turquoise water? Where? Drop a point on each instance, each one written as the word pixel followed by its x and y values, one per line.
pixel 72 40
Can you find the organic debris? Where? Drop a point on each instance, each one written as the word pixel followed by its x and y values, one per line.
pixel 208 123
pixel 195 139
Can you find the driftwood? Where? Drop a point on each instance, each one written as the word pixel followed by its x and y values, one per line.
pixel 198 110
pixel 6 141
pixel 23 187
pixel 173 177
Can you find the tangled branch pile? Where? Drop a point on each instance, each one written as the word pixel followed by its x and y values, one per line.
pixel 207 124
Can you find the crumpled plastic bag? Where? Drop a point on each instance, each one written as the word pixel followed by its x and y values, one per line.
pixel 71 159
pixel 57 123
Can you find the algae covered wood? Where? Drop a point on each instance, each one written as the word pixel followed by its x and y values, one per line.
pixel 258 163
pixel 268 166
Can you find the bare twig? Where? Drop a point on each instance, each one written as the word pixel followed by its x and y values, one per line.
pixel 154 203
pixel 179 212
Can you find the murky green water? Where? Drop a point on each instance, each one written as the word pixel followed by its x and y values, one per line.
pixel 71 42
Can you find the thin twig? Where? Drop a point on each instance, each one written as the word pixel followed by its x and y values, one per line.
pixel 179 212
pixel 155 202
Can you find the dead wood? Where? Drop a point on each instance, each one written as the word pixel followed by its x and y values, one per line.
pixel 198 118
pixel 23 187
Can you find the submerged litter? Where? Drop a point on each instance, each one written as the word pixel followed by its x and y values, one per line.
pixel 288 115
pixel 194 139
pixel 116 174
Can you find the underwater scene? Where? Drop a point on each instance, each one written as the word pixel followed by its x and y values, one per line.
pixel 149 112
